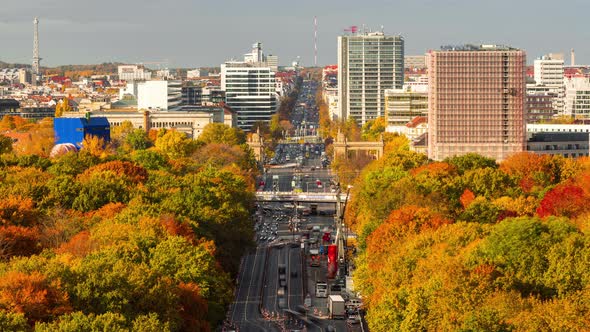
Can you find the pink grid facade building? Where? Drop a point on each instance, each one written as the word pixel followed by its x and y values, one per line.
pixel 476 101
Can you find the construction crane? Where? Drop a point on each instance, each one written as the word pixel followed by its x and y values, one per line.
pixel 352 29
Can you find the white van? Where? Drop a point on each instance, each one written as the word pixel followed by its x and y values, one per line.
pixel 321 289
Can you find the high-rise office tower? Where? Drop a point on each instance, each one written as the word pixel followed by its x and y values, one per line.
pixel 368 64
pixel 250 91
pixel 476 101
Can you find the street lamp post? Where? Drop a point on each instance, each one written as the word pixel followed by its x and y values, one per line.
pixel 342 226
pixel 293 220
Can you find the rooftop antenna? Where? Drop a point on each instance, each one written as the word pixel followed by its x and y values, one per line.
pixel 573 58
pixel 315 41
pixel 382 28
pixel 36 58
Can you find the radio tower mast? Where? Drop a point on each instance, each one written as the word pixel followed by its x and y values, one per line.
pixel 315 41
pixel 36 58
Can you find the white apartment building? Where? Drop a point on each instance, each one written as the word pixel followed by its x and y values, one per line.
pixel 577 97
pixel 133 73
pixel 250 91
pixel 548 74
pixel 159 95
pixel 549 70
pixel 368 64
pixel 196 73
pixel 403 105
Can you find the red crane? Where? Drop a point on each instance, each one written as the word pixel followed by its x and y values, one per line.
pixel 352 29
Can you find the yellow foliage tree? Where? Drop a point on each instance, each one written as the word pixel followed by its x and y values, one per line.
pixel 62 107
pixel 95 146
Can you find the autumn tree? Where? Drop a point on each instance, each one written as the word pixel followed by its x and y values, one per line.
pixel 175 144
pixel 63 106
pixel 373 129
pixel 33 295
pixel 222 133
pixel 563 200
pixel 19 241
pixel 95 146
pixel 39 139
pixel 7 122
pixel 17 210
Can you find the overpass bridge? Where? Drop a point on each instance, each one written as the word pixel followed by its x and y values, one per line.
pixel 290 196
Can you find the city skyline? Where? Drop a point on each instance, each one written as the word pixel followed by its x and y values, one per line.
pixel 191 34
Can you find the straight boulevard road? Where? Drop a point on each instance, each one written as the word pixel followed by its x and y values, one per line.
pixel 260 304
pixel 265 301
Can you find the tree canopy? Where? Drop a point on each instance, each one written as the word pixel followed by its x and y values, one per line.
pixel 469 245
pixel 142 235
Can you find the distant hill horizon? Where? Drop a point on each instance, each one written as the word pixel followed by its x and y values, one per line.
pixel 105 68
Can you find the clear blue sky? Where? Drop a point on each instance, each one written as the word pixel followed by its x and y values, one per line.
pixel 193 33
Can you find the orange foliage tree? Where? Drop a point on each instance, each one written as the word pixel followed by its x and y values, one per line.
pixel 178 228
pixel 17 210
pixel 193 308
pixel 563 200
pixel 80 245
pixel 19 241
pixel 466 198
pixel 409 219
pixel 33 295
pixel 135 173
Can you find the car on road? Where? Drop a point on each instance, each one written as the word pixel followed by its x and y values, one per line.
pixel 321 289
pixel 354 304
pixel 354 319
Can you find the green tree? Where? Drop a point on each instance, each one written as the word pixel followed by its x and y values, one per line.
pixel 100 188
pixel 115 280
pixel 177 258
pixel 518 249
pixel 10 321
pixel 78 321
pixel 150 159
pixel 471 161
pixel 138 139
pixel 5 144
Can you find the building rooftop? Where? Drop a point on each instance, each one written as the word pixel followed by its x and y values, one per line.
pixel 9 103
pixel 472 47
pixel 416 121
pixel 558 137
